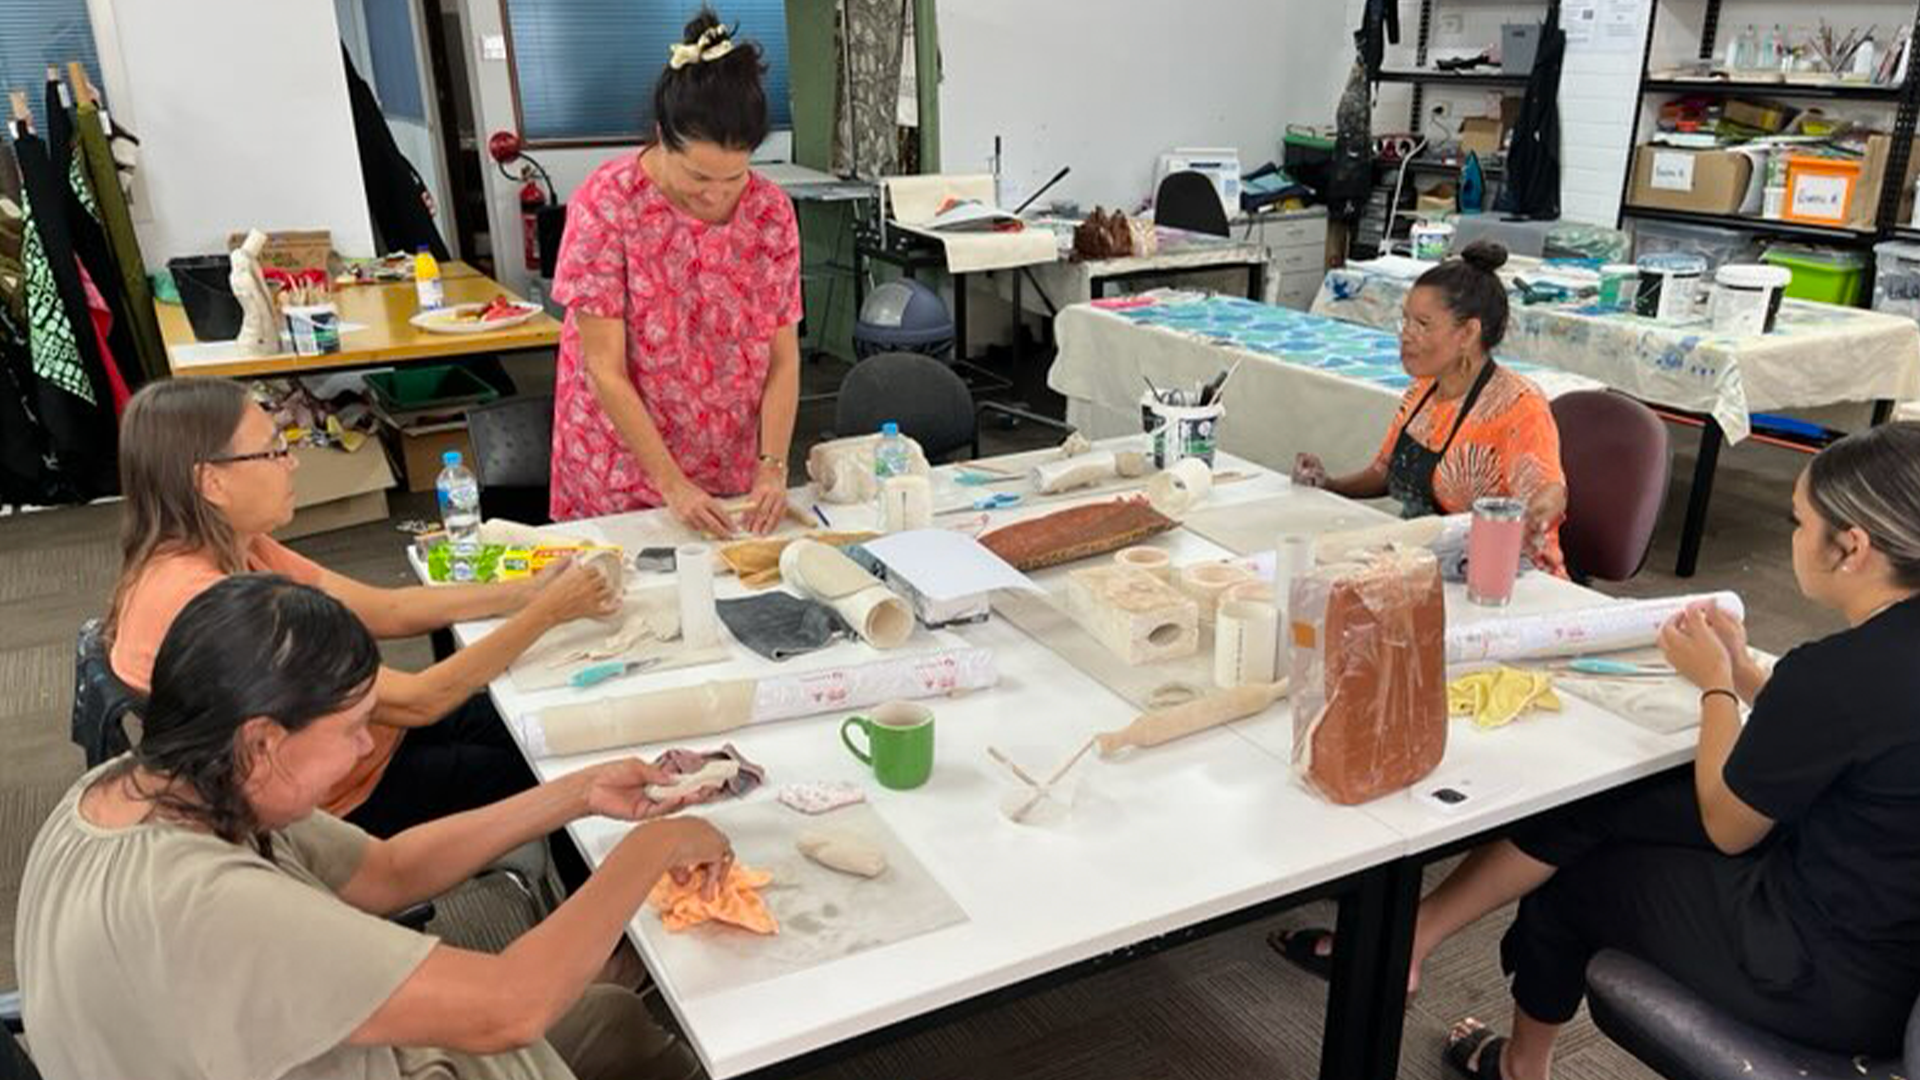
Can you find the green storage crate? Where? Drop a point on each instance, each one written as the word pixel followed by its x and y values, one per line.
pixel 1823 274
pixel 432 388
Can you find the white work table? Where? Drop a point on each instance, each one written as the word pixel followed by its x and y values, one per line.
pixel 1156 842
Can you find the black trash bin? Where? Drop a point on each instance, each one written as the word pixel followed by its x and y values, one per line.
pixel 206 291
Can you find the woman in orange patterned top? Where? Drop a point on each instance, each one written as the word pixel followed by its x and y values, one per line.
pixel 1467 428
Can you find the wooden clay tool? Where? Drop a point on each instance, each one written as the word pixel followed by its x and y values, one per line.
pixel 1165 725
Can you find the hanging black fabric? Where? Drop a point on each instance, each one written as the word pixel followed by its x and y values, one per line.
pixel 90 239
pixel 26 474
pixel 75 404
pixel 1379 25
pixel 1350 175
pixel 396 196
pixel 1532 189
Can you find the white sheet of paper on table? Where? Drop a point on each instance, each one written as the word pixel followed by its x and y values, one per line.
pixel 824 915
pixel 945 565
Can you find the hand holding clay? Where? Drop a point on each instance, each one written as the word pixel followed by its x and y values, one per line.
pixel 1308 471
pixel 577 592
pixel 623 790
pixel 694 846
pixel 698 510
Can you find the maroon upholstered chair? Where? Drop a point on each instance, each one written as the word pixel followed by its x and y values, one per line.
pixel 1614 452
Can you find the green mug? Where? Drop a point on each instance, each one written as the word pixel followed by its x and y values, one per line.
pixel 899 743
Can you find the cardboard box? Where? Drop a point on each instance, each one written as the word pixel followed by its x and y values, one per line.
pixel 1481 135
pixel 334 489
pixel 1768 116
pixel 1873 181
pixel 1700 181
pixel 419 451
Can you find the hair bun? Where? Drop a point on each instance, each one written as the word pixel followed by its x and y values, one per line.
pixel 1484 255
pixel 703 21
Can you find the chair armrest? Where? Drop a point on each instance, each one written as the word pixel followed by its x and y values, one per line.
pixel 416 917
pixel 10 1015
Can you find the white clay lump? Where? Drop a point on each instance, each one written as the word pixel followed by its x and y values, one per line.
pixel 840 851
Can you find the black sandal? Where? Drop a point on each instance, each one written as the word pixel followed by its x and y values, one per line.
pixel 1302 948
pixel 1460 1054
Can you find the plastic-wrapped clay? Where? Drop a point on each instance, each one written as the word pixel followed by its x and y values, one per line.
pixel 842 469
pixel 1369 674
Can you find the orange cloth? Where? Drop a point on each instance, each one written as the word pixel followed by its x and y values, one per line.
pixel 1509 446
pixel 169 582
pixel 739 902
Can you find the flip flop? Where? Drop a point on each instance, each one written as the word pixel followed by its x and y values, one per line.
pixel 1302 947
pixel 1481 1041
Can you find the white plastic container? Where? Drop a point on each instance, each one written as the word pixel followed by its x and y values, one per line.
pixel 1746 298
pixel 1431 239
pixel 1181 431
pixel 1896 280
pixel 1669 286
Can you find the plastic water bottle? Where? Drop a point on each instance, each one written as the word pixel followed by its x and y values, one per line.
pixel 426 280
pixel 460 513
pixel 890 458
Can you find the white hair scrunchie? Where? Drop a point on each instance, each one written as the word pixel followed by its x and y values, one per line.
pixel 714 43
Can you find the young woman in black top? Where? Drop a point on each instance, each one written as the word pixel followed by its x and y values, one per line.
pixel 1781 881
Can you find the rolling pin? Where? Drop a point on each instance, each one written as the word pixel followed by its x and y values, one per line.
pixel 1158 726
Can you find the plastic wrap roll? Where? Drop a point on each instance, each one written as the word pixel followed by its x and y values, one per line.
pixel 1293 559
pixel 1629 625
pixel 1243 643
pixel 1180 488
pixel 693 571
pixel 924 675
pixel 906 502
pixel 1152 560
pixel 1053 477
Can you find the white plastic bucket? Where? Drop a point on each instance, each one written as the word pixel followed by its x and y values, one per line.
pixel 1669 286
pixel 1746 298
pixel 1431 240
pixel 1181 431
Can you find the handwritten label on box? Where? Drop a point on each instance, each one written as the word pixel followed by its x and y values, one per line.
pixel 1672 172
pixel 1822 197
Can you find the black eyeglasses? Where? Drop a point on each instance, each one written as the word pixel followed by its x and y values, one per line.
pixel 280 451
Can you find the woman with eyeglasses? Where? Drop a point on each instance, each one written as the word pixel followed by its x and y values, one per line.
pixel 1467 428
pixel 207 478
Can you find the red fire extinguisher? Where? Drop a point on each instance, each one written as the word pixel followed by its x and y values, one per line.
pixel 504 147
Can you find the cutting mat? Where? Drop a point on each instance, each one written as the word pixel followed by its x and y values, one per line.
pixel 823 915
pixel 1047 618
pixel 1245 528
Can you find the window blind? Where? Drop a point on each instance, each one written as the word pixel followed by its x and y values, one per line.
pixel 396 67
pixel 584 69
pixel 35 33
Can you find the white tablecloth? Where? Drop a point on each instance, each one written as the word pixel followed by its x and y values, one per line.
pixel 1821 354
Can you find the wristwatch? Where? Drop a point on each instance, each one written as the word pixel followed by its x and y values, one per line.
pixel 779 463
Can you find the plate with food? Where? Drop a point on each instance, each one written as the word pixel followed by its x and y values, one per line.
pixel 496 314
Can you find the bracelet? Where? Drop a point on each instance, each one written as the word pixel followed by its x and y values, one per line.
pixel 777 462
pixel 1716 691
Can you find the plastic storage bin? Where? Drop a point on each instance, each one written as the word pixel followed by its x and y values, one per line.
pixel 1896 282
pixel 439 388
pixel 206 291
pixel 1717 245
pixel 1823 274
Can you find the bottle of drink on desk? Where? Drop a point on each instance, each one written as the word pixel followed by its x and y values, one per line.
pixel 460 514
pixel 426 280
pixel 890 458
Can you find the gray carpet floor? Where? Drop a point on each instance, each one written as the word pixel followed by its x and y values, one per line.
pixel 1223 1007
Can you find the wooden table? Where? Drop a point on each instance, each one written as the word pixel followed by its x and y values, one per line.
pixel 385 337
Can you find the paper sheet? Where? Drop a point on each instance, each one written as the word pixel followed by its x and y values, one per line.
pixel 914 200
pixel 824 915
pixel 944 565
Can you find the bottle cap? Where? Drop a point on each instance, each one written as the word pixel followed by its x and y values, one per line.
pixel 421 250
pixel 891 427
pixel 450 458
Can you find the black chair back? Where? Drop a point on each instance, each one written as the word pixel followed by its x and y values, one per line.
pixel 1188 200
pixel 513 456
pixel 101 702
pixel 925 397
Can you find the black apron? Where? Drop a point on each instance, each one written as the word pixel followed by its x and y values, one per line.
pixel 1410 469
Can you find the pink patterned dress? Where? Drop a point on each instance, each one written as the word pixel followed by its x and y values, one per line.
pixel 701 304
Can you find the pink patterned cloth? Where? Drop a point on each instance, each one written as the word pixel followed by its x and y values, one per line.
pixel 701 304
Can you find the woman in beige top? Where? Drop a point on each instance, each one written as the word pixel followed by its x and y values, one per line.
pixel 186 912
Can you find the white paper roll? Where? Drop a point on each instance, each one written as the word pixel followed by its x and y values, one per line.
pixel 879 615
pixel 1243 643
pixel 1053 477
pixel 1180 488
pixel 1152 560
pixel 1628 625
pixel 906 503
pixel 816 571
pixel 693 572
pixel 1292 560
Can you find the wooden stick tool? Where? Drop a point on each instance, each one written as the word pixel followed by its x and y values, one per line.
pixel 1158 726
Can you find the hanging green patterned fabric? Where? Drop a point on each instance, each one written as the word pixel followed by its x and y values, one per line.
pixel 56 355
pixel 110 202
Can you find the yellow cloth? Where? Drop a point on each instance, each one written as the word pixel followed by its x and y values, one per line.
pixel 1497 697
pixel 739 902
pixel 757 562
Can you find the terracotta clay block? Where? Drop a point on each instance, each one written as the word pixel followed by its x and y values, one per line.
pixel 1369 674
pixel 1141 618
pixel 1077 533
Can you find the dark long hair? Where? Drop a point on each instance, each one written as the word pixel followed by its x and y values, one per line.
pixel 1870 480
pixel 719 101
pixel 252 645
pixel 1470 288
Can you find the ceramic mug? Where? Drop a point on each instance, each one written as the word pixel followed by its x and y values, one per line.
pixel 899 743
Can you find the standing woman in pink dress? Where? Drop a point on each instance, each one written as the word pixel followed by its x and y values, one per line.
pixel 679 365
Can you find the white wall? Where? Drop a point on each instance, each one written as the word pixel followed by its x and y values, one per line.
pixel 243 120
pixel 1107 88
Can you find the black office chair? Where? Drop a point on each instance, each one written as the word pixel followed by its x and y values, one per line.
pixel 1188 200
pixel 926 398
pixel 1677 1035
pixel 102 704
pixel 513 456
pixel 14 1063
